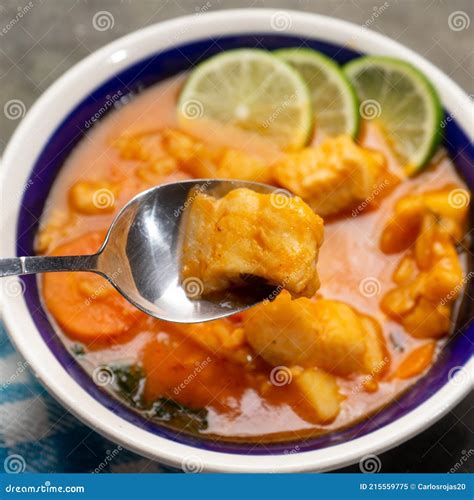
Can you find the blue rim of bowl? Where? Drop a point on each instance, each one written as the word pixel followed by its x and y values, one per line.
pixel 133 80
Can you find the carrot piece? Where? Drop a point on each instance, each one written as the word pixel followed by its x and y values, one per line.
pixel 85 305
pixel 416 362
pixel 179 369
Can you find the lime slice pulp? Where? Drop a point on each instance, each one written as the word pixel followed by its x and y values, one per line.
pixel 334 100
pixel 253 90
pixel 403 102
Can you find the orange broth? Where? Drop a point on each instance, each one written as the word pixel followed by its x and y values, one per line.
pixel 237 407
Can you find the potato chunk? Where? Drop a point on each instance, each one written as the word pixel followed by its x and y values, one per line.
pixel 376 358
pixel 430 277
pixel 341 342
pixel 155 163
pixel 321 392
pixel 202 160
pixel 160 153
pixel 412 211
pixel 333 176
pixel 93 197
pixel 247 233
pixel 59 225
pixel 219 337
pixel 443 282
pixel 428 320
pixel 284 332
pixel 140 147
pixel 323 333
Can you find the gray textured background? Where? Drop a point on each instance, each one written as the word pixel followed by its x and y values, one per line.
pixel 55 34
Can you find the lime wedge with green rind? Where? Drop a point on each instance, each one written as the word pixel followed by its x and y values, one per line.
pixel 335 103
pixel 403 102
pixel 254 91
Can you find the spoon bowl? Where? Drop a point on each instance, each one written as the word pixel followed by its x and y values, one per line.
pixel 141 256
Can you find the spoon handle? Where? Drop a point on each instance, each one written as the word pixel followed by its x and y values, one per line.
pixel 32 265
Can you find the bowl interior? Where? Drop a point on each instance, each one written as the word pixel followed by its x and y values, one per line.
pixel 134 79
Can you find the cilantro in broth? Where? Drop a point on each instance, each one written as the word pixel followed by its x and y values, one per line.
pixel 129 383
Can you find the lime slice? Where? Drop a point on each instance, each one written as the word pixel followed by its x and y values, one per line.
pixel 403 102
pixel 334 100
pixel 253 90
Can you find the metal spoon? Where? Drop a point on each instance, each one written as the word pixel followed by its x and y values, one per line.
pixel 140 256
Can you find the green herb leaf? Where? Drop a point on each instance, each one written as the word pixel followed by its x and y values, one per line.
pixel 168 410
pixel 78 349
pixel 129 381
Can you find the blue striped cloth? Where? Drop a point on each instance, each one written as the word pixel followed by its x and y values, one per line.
pixel 39 435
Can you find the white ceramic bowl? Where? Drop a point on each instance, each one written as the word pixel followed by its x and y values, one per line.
pixel 52 108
